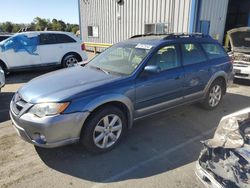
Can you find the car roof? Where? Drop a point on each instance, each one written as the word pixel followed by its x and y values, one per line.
pixel 44 32
pixel 157 39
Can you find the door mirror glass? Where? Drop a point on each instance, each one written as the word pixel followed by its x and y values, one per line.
pixel 152 69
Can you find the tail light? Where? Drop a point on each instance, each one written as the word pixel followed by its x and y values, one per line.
pixel 83 47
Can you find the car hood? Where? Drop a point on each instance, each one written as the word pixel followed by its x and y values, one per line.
pixel 64 84
pixel 240 39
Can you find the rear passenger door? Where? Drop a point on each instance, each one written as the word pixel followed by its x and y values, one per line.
pixel 67 43
pixel 197 70
pixel 49 49
pixel 157 91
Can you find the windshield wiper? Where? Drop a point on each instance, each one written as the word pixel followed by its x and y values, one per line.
pixel 98 68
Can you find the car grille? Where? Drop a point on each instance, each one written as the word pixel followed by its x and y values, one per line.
pixel 18 104
pixel 242 58
pixel 242 75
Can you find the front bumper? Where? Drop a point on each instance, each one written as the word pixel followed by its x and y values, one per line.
pixel 242 71
pixel 58 130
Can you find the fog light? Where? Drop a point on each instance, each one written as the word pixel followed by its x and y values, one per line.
pixel 39 138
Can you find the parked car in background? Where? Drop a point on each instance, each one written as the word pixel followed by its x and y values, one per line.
pixel 44 48
pixel 239 42
pixel 2 78
pixel 3 37
pixel 139 77
pixel 225 160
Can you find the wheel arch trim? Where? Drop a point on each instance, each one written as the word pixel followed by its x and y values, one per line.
pixel 220 74
pixel 112 98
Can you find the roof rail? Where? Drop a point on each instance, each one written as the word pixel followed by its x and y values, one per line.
pixel 186 35
pixel 148 34
pixel 173 35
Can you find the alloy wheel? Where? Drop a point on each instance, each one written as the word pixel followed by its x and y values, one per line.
pixel 215 95
pixel 107 131
pixel 70 62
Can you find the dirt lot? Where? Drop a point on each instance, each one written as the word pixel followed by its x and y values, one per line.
pixel 160 151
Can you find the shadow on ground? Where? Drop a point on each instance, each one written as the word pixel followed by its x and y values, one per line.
pixel 155 145
pixel 244 82
pixel 5 99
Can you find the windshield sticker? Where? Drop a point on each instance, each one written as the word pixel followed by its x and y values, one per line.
pixel 144 46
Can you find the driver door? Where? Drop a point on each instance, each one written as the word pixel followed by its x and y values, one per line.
pixel 158 91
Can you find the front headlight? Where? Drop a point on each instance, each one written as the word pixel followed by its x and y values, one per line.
pixel 48 109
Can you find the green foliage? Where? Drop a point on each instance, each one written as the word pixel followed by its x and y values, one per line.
pixel 39 24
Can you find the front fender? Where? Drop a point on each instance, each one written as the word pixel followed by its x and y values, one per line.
pixel 91 105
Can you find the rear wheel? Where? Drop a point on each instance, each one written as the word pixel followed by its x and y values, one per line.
pixel 69 61
pixel 214 95
pixel 104 129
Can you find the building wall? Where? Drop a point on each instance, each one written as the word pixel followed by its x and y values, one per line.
pixel 214 11
pixel 118 23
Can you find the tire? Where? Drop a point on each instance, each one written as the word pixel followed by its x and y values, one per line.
pixel 98 135
pixel 69 61
pixel 6 72
pixel 214 95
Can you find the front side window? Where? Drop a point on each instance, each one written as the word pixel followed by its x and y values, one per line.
pixel 47 39
pixel 165 58
pixel 192 54
pixel 121 58
pixel 21 42
pixel 213 50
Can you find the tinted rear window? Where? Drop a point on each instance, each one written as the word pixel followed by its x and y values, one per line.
pixel 48 39
pixel 62 38
pixel 213 50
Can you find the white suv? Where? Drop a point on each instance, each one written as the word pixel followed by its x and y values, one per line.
pixel 34 49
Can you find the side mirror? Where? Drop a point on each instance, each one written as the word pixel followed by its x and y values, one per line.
pixel 152 69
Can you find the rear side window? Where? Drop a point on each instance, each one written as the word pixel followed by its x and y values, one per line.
pixel 62 38
pixel 213 50
pixel 192 54
pixel 47 39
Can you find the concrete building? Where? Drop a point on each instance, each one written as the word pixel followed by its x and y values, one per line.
pixel 110 21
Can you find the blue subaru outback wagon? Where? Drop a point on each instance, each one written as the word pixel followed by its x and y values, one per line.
pixel 141 76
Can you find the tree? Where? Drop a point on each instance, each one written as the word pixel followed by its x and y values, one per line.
pixel 7 27
pixel 40 24
pixel 16 28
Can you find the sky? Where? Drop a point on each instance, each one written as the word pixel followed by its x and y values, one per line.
pixel 24 11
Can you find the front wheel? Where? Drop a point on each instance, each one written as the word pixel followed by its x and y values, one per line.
pixel 214 95
pixel 104 129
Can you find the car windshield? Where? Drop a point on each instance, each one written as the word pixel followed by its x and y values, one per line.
pixel 121 58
